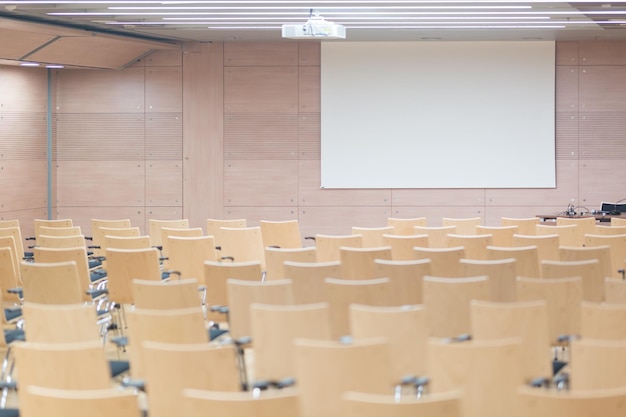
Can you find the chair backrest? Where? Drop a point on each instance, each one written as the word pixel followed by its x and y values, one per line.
pixel 547 245
pixel 614 291
pixel 526 259
pixel 602 321
pixel 273 403
pixel 617 245
pixel 464 226
pixel 18 240
pixel 569 234
pixel 358 263
pixel 526 320
pixel 56 323
pixel 244 244
pixel 500 272
pixel 9 275
pixel 618 221
pixel 442 404
pixel 100 242
pixel 37 223
pixel 97 235
pixel 584 225
pixel 502 235
pixel 274 329
pixel 275 259
pixel 551 403
pixel 589 271
pixel 77 255
pixel 52 402
pixel 166 295
pixel 213 227
pixel 372 237
pixel 406 278
pixel 405 226
pixel 597 364
pixel 488 372
pixel 601 253
pixel 72 241
pixel 525 225
pixel 437 235
pixel 447 303
pixel 405 329
pixel 166 232
pixel 155 226
pixel 9 223
pixel 171 367
pixel 51 283
pixel 215 276
pixel 60 231
pixel 402 245
pixel 241 294
pixel 341 293
pixel 188 254
pixel 282 234
pixel 562 296
pixel 608 230
pixel 444 262
pixel 327 369
pixel 124 265
pixel 126 242
pixel 308 279
pixel 475 246
pixel 327 246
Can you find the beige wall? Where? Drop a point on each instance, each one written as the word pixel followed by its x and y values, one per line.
pixel 233 131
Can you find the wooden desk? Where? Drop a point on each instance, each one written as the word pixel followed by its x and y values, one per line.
pixel 602 218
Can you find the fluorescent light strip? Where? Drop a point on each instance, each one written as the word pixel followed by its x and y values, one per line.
pixel 366 18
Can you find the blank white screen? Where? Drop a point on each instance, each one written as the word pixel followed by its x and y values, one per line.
pixel 437 115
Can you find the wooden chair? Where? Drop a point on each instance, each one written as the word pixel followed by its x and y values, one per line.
pixel 488 372
pixel 61 323
pixel 126 242
pixel 617 245
pixel 464 226
pixel 526 259
pixel 614 291
pixel 167 232
pixel 169 368
pixel 166 294
pixel 601 253
pixel 589 271
pixel 202 403
pixel 241 294
pixel 563 297
pixel 569 234
pixel 9 275
pixel 308 279
pixel 475 246
pixel 372 237
pixel 405 329
pixel 51 283
pixel 274 329
pixel 402 245
pixel 405 227
pixel 584 226
pixel 16 232
pixel 281 234
pixel 60 231
pixel 340 293
pixel 444 262
pixel 597 364
pixel 9 223
pixel 447 303
pixel 524 320
pixel 188 254
pixel 608 230
pixel 243 244
pixel 443 404
pixel 358 263
pixel 125 265
pixel 327 369
pixel 525 225
pixel 551 403
pixel 327 246
pixel 602 321
pixel 275 259
pixel 617 221
pixel 547 245
pixel 437 235
pixel 501 235
pixel 213 228
pixel 406 278
pixel 155 226
pixel 71 241
pixel 97 235
pixel 38 223
pixel 42 401
pixel 501 274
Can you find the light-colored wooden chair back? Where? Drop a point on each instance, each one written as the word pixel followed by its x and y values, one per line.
pixel 404 227
pixel 308 279
pixel 597 364
pixel 60 231
pixel 501 274
pixel 589 271
pixel 501 235
pixel 569 234
pixel 213 227
pixel 38 223
pixel 9 275
pixel 327 246
pixel 275 259
pixel 166 294
pixel 550 403
pixel 126 242
pixel 464 226
pixel 444 262
pixel 372 237
pixel 51 283
pixel 618 221
pixel 125 265
pixel 602 321
pixel 614 291
pixel 155 226
pixel 18 244
pixel 444 404
pixel 406 278
pixel 274 403
pixel 525 225
pixel 281 234
pixel 547 245
pixel 617 245
pixel 584 226
pixel 402 245
pixel 244 244
pixel 60 323
pixel 72 241
pixel 98 236
pixel 188 254
pixel 437 235
pixel 526 259
pixel 602 229
pixel 475 246
pixel 166 232
pixel 104 232
pixel 358 263
pixel 601 253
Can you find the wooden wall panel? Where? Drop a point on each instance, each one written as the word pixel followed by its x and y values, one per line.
pixel 83 91
pixel 261 183
pixel 261 89
pixel 566 53
pixel 567 135
pixel 309 136
pixel 309 53
pixel 260 54
pixel 309 89
pixel 23 89
pixel 601 180
pixel 600 137
pixel 438 197
pixel 164 136
pixel 254 214
pixel 602 53
pixel 24 185
pixel 602 89
pixel 260 136
pixel 566 96
pixel 164 183
pixel 23 136
pixel 81 216
pixel 164 58
pixel 163 90
pixel 101 183
pixel 338 220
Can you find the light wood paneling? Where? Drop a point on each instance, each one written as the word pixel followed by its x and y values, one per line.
pixel 164 58
pixel 16 44
pixel 599 137
pixel 261 183
pixel 254 214
pixel 261 136
pixel 260 54
pixel 309 136
pixel 309 53
pixel 80 91
pixel 24 184
pixel 566 89
pixel 601 180
pixel 602 89
pixel 23 136
pixel 434 214
pixel 23 89
pixel 309 89
pixel 566 53
pixel 95 183
pixel 438 197
pixel 163 90
pixel 164 136
pixel 567 135
pixel 164 183
pixel 81 216
pixel 261 89
pixel 602 53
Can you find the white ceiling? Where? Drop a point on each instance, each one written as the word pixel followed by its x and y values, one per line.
pixel 253 20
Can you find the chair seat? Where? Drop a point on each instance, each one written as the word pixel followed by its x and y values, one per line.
pixel 117 368
pixel 97 275
pixel 12 313
pixel 14 334
pixel 9 412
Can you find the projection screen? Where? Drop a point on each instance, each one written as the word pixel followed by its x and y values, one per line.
pixel 438 114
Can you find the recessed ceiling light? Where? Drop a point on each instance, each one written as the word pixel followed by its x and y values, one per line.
pixel 29 64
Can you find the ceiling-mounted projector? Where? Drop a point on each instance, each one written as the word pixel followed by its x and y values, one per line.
pixel 315 28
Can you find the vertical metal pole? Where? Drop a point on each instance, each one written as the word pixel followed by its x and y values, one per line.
pixel 49 142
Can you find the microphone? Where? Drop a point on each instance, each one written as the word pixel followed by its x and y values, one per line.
pixel 571 210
